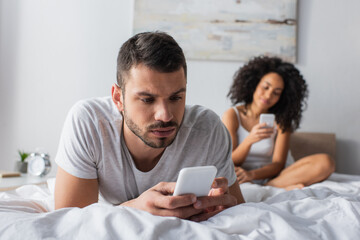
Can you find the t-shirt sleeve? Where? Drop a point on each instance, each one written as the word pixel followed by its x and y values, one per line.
pixel 222 150
pixel 77 151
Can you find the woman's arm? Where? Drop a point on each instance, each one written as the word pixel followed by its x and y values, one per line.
pixel 257 133
pixel 231 122
pixel 281 149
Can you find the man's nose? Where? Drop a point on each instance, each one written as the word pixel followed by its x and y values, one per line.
pixel 163 112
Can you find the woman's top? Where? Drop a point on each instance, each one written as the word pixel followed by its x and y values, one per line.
pixel 260 153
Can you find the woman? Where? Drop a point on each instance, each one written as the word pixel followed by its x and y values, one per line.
pixel 270 85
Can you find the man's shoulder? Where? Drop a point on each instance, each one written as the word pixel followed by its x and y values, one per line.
pixel 93 103
pixel 94 108
pixel 200 117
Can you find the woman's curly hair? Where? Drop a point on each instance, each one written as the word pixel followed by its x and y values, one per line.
pixel 288 110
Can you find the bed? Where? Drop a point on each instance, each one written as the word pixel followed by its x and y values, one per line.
pixel 326 210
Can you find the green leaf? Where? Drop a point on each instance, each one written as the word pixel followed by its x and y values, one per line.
pixel 23 155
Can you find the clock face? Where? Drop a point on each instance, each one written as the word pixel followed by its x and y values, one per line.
pixel 36 165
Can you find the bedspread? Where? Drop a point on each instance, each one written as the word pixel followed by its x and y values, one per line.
pixel 326 210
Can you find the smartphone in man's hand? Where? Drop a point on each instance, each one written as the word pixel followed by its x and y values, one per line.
pixel 195 180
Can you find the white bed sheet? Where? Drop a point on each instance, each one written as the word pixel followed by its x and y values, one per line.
pixel 327 210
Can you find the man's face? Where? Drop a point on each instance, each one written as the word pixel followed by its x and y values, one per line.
pixel 154 105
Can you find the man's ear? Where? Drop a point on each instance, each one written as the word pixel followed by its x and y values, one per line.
pixel 117 97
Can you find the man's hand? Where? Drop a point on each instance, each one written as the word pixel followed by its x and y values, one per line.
pixel 243 175
pixel 158 201
pixel 218 199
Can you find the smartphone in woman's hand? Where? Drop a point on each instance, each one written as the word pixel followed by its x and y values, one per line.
pixel 267 118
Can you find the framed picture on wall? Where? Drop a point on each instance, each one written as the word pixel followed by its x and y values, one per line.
pixel 234 30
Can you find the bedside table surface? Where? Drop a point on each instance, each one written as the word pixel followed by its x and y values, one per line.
pixel 10 183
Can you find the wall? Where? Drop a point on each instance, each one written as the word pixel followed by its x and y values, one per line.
pixel 329 57
pixel 53 53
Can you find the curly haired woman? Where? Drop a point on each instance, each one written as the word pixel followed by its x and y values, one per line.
pixel 270 85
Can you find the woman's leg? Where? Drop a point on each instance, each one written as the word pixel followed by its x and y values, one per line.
pixel 304 172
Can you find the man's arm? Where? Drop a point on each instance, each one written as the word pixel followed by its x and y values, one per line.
pixel 71 191
pixel 236 192
pixel 158 201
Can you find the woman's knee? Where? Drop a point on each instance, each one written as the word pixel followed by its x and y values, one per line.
pixel 326 162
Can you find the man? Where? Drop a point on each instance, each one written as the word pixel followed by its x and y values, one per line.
pixel 131 147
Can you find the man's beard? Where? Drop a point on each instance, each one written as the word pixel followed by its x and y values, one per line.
pixel 159 142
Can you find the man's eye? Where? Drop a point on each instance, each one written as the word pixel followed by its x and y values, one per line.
pixel 175 98
pixel 147 100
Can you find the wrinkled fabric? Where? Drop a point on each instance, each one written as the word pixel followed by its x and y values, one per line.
pixel 326 210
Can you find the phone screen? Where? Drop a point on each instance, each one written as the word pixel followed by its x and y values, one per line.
pixel 195 180
pixel 267 118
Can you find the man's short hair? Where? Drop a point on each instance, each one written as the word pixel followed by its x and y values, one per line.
pixel 156 50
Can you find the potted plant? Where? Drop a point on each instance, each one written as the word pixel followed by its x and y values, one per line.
pixel 22 164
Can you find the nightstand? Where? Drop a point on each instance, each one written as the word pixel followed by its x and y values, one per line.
pixel 10 183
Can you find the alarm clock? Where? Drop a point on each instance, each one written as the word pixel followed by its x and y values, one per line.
pixel 39 164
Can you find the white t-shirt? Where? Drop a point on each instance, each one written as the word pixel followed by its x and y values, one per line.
pixel 92 147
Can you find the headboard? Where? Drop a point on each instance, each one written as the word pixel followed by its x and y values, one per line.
pixel 306 143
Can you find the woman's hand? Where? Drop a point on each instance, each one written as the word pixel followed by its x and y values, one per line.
pixel 243 175
pixel 259 132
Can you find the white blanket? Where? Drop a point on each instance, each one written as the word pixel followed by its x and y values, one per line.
pixel 327 210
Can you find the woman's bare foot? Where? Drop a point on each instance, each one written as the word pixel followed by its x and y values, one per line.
pixel 295 186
